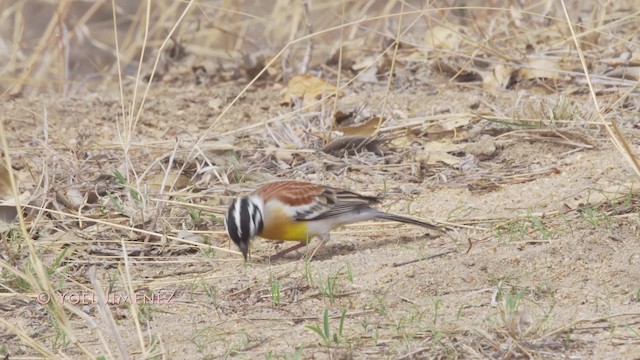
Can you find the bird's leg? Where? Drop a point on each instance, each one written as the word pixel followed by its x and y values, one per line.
pixel 323 241
pixel 288 250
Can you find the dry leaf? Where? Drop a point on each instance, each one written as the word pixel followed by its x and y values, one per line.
pixel 438 152
pixel 540 68
pixel 483 149
pixel 218 145
pixel 178 182
pixel 367 128
pixel 496 79
pixel 283 155
pixel 188 235
pixel 71 198
pixel 8 211
pixel 441 37
pixel 447 129
pixel 309 88
pixel 353 143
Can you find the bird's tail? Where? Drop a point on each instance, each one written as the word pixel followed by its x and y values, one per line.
pixel 406 220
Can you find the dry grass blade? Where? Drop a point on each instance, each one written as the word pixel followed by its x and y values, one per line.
pixel 396 45
pixel 130 228
pixel 106 314
pixel 557 136
pixel 41 282
pixel 619 142
pixel 134 308
pixel 28 340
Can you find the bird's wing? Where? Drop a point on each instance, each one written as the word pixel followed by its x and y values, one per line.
pixel 314 202
pixel 346 202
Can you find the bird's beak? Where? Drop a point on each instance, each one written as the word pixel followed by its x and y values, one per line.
pixel 244 248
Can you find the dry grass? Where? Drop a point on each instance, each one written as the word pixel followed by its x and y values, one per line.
pixel 128 128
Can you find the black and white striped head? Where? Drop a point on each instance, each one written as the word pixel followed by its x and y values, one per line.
pixel 244 221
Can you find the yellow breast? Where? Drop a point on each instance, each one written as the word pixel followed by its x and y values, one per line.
pixel 278 225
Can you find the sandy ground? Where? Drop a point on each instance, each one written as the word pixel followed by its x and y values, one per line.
pixel 549 274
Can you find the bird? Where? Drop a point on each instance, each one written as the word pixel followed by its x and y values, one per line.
pixel 300 210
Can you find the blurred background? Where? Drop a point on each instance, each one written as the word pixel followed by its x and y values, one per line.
pixel 60 45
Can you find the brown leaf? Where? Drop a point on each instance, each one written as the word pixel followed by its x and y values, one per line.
pixel 367 128
pixel 309 88
pixel 154 182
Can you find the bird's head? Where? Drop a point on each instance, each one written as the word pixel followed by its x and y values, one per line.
pixel 244 220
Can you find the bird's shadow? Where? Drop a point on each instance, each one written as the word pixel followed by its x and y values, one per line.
pixel 337 248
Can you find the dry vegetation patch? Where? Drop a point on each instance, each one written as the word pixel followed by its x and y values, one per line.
pixel 512 126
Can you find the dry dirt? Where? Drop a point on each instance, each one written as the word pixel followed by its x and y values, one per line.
pixel 541 253
pixel 543 277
